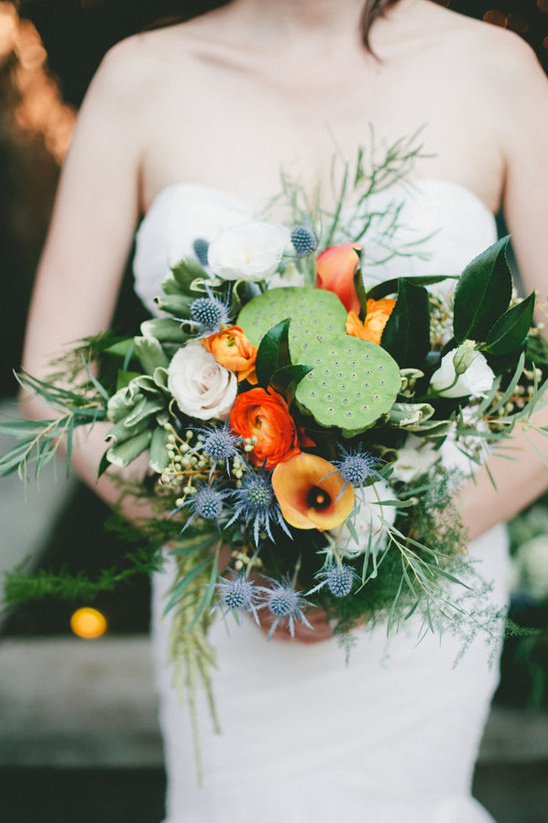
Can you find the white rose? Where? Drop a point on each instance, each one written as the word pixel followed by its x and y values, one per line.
pixel 249 251
pixel 415 458
pixel 370 519
pixel 476 380
pixel 201 387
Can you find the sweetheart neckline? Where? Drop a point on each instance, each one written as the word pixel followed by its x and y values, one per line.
pixel 401 186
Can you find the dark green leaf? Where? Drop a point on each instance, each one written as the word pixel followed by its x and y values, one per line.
pixel 273 352
pixel 406 335
pixel 381 290
pixel 511 329
pixel 287 378
pixel 483 293
pixel 359 285
pixel 103 465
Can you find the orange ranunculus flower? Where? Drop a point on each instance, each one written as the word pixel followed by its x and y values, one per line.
pixel 231 349
pixel 378 312
pixel 308 489
pixel 335 270
pixel 265 415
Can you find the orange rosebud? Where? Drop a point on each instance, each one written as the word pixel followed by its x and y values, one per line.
pixel 265 416
pixel 231 349
pixel 335 270
pixel 310 492
pixel 378 312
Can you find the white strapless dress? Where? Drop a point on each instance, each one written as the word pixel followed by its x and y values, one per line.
pixel 393 736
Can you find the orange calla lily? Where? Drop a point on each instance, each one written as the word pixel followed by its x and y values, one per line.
pixel 335 270
pixel 310 492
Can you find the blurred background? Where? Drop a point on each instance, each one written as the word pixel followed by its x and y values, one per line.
pixel 80 739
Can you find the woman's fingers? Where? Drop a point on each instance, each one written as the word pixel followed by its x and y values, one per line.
pixel 318 630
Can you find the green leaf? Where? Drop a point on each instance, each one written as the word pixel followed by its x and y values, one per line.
pixel 150 353
pixel 510 331
pixel 103 465
pixel 122 454
pixel 408 414
pixel 381 290
pixel 406 335
pixel 124 378
pixel 186 271
pixel 183 584
pixel 288 377
pixel 273 352
pixel 158 457
pixel 121 348
pixel 176 304
pixel 483 293
pixel 359 285
pixel 164 329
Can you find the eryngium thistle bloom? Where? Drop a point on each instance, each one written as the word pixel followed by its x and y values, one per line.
pixel 210 313
pixel 219 445
pixel 339 580
pixel 201 248
pixel 304 240
pixel 256 505
pixel 207 503
pixel 238 594
pixel 284 604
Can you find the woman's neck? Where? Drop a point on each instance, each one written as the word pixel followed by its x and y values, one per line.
pixel 307 25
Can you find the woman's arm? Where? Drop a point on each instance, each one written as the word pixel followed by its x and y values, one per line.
pixel 91 233
pixel 523 114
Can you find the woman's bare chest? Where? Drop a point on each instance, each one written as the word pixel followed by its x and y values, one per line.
pixel 239 134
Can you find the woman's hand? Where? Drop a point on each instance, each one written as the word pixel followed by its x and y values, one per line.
pixel 302 633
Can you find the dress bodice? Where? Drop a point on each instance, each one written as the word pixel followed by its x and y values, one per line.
pixel 441 227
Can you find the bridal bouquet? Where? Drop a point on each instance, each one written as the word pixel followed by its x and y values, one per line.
pixel 305 426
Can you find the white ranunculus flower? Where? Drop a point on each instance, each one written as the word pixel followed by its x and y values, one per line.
pixel 475 381
pixel 201 387
pixel 369 519
pixel 249 251
pixel 416 457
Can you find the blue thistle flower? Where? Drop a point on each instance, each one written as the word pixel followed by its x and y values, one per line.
pixel 237 593
pixel 201 249
pixel 219 444
pixel 210 313
pixel 338 578
pixel 304 240
pixel 207 503
pixel 256 504
pixel 356 468
pixel 285 604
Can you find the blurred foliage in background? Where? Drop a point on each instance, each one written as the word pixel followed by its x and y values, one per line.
pixel 49 51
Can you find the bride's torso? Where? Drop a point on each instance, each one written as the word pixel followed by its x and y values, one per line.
pixel 229 114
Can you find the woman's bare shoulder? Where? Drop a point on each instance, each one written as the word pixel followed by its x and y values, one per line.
pixel 478 46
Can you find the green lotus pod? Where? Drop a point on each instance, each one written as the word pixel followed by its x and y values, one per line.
pixel 315 314
pixel 352 383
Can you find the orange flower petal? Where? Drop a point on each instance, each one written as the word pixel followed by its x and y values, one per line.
pixel 308 489
pixel 335 270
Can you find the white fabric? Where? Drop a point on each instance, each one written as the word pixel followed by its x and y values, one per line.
pixel 394 735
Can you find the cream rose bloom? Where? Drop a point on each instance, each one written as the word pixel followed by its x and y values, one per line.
pixel 370 519
pixel 201 387
pixel 476 380
pixel 248 251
